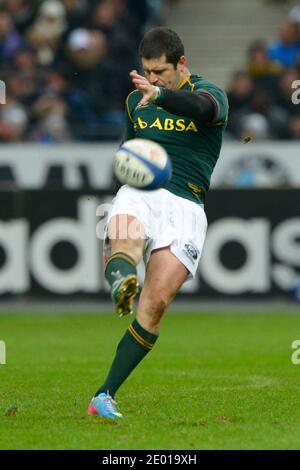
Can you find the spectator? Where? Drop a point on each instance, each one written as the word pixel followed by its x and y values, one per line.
pixel 240 94
pixel 286 50
pixel 121 30
pixel 22 87
pixel 22 12
pixel 86 48
pixel 240 90
pixel 25 58
pixel 10 39
pixel 294 14
pixel 94 73
pixel 263 71
pixel 256 126
pixel 13 121
pixel 80 108
pixel 77 12
pixel 262 104
pixel 45 34
pixel 50 115
pixel 250 106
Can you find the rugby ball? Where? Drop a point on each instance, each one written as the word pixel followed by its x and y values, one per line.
pixel 142 164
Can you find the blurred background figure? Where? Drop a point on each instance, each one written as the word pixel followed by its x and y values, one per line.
pixel 13 121
pixel 22 12
pixel 92 70
pixel 46 32
pixel 255 125
pixel 286 50
pixel 122 31
pixel 261 68
pixel 10 38
pixel 294 14
pixel 76 12
pixel 50 114
pixel 240 93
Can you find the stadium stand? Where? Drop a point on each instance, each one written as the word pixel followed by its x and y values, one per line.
pixel 65 63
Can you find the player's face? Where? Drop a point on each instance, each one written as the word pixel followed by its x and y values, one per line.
pixel 161 73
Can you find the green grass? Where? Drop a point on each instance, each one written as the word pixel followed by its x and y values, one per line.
pixel 213 381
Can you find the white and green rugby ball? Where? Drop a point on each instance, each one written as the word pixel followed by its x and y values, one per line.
pixel 142 164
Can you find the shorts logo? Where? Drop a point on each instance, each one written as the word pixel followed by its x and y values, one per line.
pixel 191 252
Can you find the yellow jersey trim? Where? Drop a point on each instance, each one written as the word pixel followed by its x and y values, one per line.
pixel 192 85
pixel 186 80
pixel 127 105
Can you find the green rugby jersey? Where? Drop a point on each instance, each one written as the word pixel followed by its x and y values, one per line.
pixel 193 146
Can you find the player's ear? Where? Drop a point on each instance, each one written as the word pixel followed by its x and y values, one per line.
pixel 182 63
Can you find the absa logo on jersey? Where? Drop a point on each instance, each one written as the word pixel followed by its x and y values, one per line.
pixel 167 124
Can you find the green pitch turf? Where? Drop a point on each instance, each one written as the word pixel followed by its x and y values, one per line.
pixel 213 381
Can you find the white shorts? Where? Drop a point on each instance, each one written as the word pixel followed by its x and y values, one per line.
pixel 167 219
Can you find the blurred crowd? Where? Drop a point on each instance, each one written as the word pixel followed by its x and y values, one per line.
pixel 264 97
pixel 65 64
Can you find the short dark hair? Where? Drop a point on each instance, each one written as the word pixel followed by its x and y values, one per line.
pixel 159 41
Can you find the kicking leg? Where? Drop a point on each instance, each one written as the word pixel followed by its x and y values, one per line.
pixel 165 275
pixel 127 240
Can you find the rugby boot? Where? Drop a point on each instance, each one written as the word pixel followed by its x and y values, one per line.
pixel 123 293
pixel 104 405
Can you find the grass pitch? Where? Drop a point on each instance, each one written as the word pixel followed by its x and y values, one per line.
pixel 213 381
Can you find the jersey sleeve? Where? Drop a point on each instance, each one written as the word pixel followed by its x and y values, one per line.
pixel 131 103
pixel 219 99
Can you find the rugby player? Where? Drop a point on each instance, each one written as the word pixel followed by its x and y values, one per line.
pixel 187 115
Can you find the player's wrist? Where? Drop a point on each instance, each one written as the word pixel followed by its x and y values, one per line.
pixel 155 94
pixel 159 95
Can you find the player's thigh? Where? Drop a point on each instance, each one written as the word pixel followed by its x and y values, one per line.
pixel 126 234
pixel 165 275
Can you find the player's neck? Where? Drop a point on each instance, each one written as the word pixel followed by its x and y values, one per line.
pixel 184 76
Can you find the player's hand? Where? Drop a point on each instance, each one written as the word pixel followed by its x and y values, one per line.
pixel 141 83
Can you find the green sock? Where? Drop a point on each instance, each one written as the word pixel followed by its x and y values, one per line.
pixel 119 265
pixel 133 347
